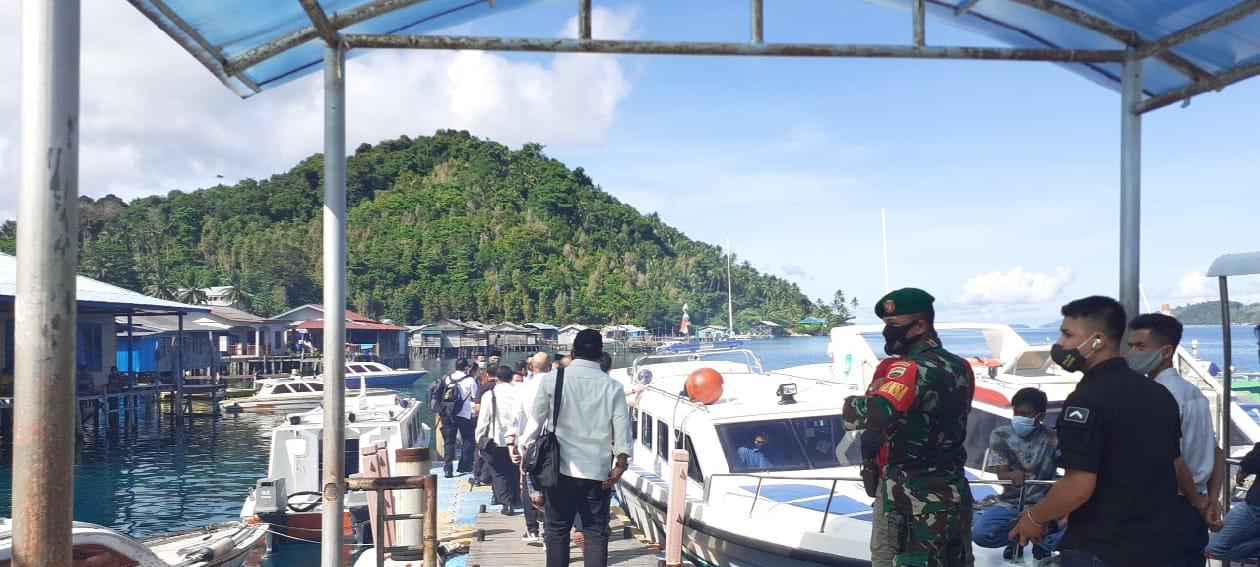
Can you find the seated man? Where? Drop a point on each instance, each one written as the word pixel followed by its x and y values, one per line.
pixel 1240 538
pixel 755 457
pixel 1023 450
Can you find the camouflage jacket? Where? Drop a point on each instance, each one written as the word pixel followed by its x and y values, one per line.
pixel 919 404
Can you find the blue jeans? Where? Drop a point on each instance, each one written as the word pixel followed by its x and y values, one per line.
pixel 993 525
pixel 1240 538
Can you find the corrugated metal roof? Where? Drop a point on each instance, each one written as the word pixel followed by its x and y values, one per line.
pixel 96 294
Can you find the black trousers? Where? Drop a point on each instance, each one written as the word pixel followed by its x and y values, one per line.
pixel 505 476
pixel 531 514
pixel 467 447
pixel 1195 533
pixel 588 499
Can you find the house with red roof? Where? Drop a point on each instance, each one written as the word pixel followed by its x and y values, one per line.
pixel 365 338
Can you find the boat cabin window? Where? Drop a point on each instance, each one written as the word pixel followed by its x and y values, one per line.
pixel 634 424
pixel 351 457
pixel 646 437
pixel 786 444
pixel 693 464
pixel 662 440
pixel 281 389
pixel 315 386
pixel 356 369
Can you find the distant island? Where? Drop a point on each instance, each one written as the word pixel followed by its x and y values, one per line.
pixel 1209 313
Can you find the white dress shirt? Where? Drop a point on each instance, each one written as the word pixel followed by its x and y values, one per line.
pixel 1198 438
pixel 592 427
pixel 507 423
pixel 465 384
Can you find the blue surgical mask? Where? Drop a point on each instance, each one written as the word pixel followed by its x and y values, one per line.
pixel 1023 426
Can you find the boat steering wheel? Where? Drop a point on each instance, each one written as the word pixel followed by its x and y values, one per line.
pixel 302 508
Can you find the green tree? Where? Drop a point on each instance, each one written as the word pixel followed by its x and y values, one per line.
pixel 193 287
pixel 236 292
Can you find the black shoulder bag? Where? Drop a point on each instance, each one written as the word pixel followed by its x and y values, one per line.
pixel 542 459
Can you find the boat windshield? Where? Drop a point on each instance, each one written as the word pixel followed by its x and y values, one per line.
pixel 793 444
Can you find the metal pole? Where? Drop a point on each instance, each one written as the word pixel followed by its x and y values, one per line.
pixel 758 22
pixel 1226 398
pixel 334 302
pixel 919 23
pixel 1130 184
pixel 131 347
pixel 44 308
pixel 179 374
pixel 584 19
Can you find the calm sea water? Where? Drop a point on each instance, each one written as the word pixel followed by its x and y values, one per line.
pixel 151 479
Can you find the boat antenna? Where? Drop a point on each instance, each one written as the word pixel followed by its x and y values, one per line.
pixel 883 231
pixel 730 302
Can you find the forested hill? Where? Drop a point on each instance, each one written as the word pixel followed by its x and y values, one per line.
pixel 442 226
pixel 1209 313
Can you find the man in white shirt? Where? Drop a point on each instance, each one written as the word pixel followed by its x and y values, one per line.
pixel 539 366
pixel 591 429
pixel 1153 340
pixel 497 427
pixel 457 412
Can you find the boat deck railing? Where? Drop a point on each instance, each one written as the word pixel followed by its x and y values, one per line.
pixel 835 481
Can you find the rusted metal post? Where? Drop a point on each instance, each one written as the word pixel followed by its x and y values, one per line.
pixel 919 24
pixel 677 507
pixel 758 22
pixel 334 303
pixel 584 19
pixel 430 520
pixel 44 307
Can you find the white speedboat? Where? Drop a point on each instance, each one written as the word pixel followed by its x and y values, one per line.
pixel 292 394
pixel 290 497
pixel 804 505
pixel 375 374
pixel 221 545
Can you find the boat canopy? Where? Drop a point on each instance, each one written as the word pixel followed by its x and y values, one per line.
pixel 1229 265
pixel 252 46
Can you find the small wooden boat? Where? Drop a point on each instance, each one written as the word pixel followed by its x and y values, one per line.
pixel 219 545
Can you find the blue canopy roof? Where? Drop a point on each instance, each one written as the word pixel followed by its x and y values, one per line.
pixel 219 32
pixel 252 46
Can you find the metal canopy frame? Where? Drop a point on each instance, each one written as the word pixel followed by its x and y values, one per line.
pixel 1223 268
pixel 48 207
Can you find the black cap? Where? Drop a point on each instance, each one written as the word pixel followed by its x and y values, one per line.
pixel 588 344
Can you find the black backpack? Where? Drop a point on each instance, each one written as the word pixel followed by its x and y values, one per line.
pixel 445 398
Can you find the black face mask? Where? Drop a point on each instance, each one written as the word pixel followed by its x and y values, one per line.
pixel 1071 359
pixel 896 343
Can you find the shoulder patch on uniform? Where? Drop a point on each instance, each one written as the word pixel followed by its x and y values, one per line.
pixel 901 368
pixel 1076 414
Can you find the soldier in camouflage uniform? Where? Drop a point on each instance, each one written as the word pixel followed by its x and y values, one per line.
pixel 919 403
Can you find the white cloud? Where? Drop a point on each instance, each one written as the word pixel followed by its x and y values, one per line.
pixel 1015 287
pixel 620 23
pixel 1193 286
pixel 153 119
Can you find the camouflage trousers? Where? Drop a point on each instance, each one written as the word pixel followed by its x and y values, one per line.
pixel 883 552
pixel 930 539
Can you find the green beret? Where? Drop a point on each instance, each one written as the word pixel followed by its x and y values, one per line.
pixel 904 301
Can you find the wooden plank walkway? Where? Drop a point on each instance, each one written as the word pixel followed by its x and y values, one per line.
pixel 502 545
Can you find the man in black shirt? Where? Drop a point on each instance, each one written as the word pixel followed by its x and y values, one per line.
pixel 1119 442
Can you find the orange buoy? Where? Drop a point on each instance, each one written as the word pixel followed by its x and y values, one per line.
pixel 704 385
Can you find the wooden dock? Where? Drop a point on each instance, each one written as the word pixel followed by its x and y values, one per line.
pixel 497 543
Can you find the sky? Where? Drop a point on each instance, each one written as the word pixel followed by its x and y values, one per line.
pixel 1000 181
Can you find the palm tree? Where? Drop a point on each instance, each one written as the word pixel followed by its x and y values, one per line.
pixel 160 284
pixel 193 290
pixel 235 292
